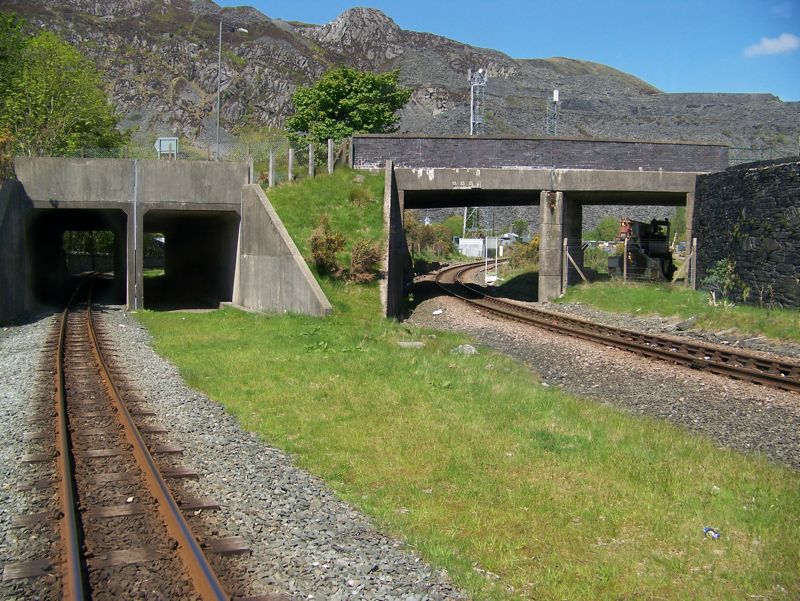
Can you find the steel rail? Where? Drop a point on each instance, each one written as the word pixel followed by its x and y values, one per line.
pixel 74 584
pixel 191 553
pixel 738 365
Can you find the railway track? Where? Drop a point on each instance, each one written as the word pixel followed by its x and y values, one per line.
pixel 736 364
pixel 121 531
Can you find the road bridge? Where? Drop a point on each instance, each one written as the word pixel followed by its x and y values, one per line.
pixel 223 240
pixel 558 175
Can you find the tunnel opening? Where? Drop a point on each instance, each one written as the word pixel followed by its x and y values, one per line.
pixel 63 245
pixel 189 258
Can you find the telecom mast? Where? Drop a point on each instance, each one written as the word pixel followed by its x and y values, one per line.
pixel 477 93
pixel 551 121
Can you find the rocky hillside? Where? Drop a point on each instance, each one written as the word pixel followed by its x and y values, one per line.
pixel 159 58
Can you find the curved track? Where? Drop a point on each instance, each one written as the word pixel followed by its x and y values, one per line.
pixel 739 365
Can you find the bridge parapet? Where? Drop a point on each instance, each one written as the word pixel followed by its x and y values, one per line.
pixel 412 151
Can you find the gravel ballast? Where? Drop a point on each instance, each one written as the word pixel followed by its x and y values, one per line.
pixel 737 415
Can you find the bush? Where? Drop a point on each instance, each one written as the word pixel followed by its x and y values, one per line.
pixel 324 246
pixel 360 196
pixel 525 255
pixel 364 258
pixel 596 258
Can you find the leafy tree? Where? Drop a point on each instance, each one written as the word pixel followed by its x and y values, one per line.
pixel 12 42
pixel 607 229
pixel 519 227
pixel 55 103
pixel 347 101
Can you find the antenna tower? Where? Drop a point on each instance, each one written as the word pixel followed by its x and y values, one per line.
pixel 551 120
pixel 477 93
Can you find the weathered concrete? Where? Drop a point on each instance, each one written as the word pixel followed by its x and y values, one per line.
pixel 15 290
pixel 560 194
pixel 271 275
pixel 197 205
pixel 409 151
pixel 397 267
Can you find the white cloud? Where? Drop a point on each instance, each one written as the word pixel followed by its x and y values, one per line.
pixel 783 44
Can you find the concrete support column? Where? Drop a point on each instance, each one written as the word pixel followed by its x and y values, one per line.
pixel 135 241
pixel 551 210
pixel 330 156
pixel 290 173
pixel 311 165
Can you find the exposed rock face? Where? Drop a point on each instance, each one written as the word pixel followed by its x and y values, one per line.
pixel 159 58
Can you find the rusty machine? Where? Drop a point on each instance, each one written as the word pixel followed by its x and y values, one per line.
pixel 648 255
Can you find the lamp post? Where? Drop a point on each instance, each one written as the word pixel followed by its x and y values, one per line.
pixel 219 77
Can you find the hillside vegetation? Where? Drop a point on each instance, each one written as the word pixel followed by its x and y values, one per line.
pixel 518 490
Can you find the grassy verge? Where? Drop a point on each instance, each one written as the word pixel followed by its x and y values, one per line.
pixel 519 491
pixel 667 300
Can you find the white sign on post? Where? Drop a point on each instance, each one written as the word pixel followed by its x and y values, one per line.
pixel 167 147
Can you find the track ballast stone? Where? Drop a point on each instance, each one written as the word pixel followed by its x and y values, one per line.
pixel 305 542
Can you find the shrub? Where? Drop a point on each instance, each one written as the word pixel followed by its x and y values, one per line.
pixel 360 196
pixel 525 255
pixel 324 245
pixel 364 258
pixel 596 258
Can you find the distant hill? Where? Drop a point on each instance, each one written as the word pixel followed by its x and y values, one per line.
pixel 159 58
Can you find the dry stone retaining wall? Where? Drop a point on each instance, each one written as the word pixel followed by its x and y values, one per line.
pixel 750 214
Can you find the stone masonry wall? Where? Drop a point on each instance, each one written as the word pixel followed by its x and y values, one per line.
pixel 750 214
pixel 372 152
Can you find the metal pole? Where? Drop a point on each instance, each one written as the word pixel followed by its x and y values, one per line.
pixel 219 82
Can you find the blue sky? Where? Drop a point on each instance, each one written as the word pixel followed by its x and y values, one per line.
pixel 676 45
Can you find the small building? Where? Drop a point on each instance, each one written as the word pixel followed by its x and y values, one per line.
pixel 471 247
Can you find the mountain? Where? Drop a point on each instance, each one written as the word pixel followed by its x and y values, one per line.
pixel 159 58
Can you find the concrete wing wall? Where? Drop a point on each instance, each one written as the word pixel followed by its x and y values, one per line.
pixel 14 288
pixel 271 275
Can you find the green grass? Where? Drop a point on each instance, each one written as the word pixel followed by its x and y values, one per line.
pixel 519 491
pixel 479 467
pixel 154 272
pixel 667 300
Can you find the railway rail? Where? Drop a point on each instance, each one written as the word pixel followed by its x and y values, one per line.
pixel 121 530
pixel 740 365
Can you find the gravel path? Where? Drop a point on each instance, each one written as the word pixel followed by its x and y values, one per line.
pixel 733 414
pixel 305 542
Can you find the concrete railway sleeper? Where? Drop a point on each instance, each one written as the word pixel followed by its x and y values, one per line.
pixel 122 532
pixel 740 365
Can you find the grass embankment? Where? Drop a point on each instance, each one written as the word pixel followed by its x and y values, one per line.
pixel 668 300
pixel 520 491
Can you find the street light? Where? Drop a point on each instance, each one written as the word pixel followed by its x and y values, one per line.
pixel 219 75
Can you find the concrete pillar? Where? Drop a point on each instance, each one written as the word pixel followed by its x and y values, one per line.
pixel 290 173
pixel 311 165
pixel 397 259
pixel 559 218
pixel 330 156
pixel 551 208
pixel 271 168
pixel 135 241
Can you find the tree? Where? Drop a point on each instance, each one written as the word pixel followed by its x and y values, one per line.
pixel 55 103
pixel 607 229
pixel 346 101
pixel 519 227
pixel 12 42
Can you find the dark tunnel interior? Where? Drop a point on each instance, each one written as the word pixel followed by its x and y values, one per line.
pixel 55 272
pixel 199 259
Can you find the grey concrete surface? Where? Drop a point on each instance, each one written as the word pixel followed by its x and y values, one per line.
pixel 197 205
pixel 271 275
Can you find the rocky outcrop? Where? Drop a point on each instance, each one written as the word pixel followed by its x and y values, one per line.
pixel 159 58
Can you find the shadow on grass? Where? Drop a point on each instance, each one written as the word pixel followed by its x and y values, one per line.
pixel 524 287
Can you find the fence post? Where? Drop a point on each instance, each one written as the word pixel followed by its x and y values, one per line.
pixel 271 168
pixel 330 156
pixel 564 266
pixel 291 164
pixel 693 265
pixel 311 165
pixel 625 260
